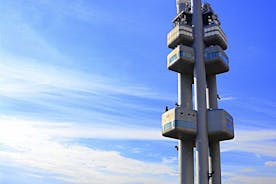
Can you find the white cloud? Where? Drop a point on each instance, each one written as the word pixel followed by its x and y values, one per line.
pixel 227 98
pixel 255 135
pixel 68 93
pixel 270 164
pixel 237 178
pixel 259 142
pixel 24 78
pixel 19 38
pixel 247 170
pixel 263 108
pixel 169 160
pixel 46 146
pixel 35 145
pixel 33 66
pixel 76 130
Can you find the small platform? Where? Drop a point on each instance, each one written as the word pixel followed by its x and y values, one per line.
pixel 183 35
pixel 216 61
pixel 181 60
pixel 179 123
pixel 180 34
pixel 213 35
pixel 220 125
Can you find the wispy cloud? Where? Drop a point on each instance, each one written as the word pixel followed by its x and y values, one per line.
pixel 169 160
pixel 65 91
pixel 75 130
pixel 36 145
pixel 19 39
pixel 28 78
pixel 35 71
pixel 50 147
pixel 261 107
pixel 270 163
pixel 234 178
pixel 227 98
pixel 258 142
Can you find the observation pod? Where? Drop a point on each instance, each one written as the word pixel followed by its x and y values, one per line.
pixel 183 34
pixel 180 34
pixel 179 123
pixel 181 60
pixel 216 61
pixel 213 35
pixel 220 125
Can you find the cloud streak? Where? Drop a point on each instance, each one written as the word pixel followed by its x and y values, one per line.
pixel 51 147
pixel 61 91
pixel 234 178
pixel 28 78
pixel 259 142
pixel 270 164
pixel 35 145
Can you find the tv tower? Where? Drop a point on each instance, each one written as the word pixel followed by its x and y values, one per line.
pixel 198 44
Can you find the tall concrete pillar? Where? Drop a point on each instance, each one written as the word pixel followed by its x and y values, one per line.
pixel 202 143
pixel 214 145
pixel 185 148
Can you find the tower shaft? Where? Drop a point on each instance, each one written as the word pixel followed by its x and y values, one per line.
pixel 200 76
pixel 214 145
pixel 198 43
pixel 185 147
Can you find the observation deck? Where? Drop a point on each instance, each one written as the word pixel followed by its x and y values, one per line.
pixel 183 34
pixel 180 34
pixel 220 125
pixel 213 35
pixel 181 60
pixel 216 61
pixel 179 123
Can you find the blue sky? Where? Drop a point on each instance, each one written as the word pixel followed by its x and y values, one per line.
pixel 83 85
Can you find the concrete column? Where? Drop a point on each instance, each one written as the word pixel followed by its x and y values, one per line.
pixel 185 91
pixel 214 145
pixel 186 162
pixel 216 165
pixel 202 143
pixel 185 148
pixel 212 88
